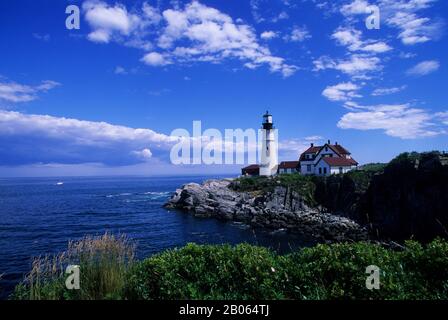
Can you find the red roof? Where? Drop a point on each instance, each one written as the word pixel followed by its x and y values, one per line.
pixel 288 165
pixel 339 149
pixel 312 150
pixel 339 162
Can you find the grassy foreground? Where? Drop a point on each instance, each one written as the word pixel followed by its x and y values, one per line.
pixel 109 271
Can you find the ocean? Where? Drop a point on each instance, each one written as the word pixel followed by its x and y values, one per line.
pixel 39 216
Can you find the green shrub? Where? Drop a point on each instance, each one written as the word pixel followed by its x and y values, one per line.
pixel 207 272
pixel 335 271
pixel 426 269
pixel 338 272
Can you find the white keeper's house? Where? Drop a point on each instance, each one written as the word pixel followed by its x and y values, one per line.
pixel 327 159
pixel 319 160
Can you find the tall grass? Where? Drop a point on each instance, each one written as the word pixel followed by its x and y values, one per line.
pixel 103 260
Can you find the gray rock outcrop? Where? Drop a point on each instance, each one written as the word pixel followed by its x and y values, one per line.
pixel 280 209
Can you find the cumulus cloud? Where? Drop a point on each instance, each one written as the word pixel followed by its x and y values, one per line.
pixel 403 15
pixel 193 33
pixel 155 59
pixel 355 7
pixel 298 34
pixel 42 139
pixel 352 39
pixel 357 65
pixel 201 33
pixel 423 68
pixel 144 154
pixel 109 21
pixel 341 92
pixel 15 92
pixel 29 138
pixel 267 35
pixel 406 17
pixel 401 121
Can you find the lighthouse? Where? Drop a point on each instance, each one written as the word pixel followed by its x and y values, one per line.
pixel 269 148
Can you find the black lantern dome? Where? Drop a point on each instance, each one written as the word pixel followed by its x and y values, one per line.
pixel 267 121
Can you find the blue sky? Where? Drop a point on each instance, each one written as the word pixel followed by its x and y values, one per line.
pixel 104 99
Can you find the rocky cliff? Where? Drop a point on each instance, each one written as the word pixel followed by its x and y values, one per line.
pixel 409 199
pixel 280 208
pixel 404 199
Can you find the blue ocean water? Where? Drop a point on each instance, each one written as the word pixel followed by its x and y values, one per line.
pixel 39 216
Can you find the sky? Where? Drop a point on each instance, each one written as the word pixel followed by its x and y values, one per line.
pixel 104 99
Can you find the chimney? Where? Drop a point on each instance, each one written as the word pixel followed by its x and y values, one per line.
pixel 336 143
pixel 328 141
pixel 312 144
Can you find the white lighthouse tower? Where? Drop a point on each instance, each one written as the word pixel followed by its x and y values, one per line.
pixel 269 148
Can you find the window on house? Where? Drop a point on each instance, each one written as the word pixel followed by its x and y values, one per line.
pixel 340 169
pixel 325 170
pixel 326 148
pixel 308 167
pixel 320 170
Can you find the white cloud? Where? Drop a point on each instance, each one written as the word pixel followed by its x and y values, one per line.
pixel 298 34
pixel 262 11
pixel 120 70
pixel 341 92
pixel 424 68
pixel 403 15
pixel 100 36
pixel 34 138
pixel 387 91
pixel 281 16
pixel 413 28
pixel 193 33
pixel 206 34
pixel 351 38
pixel 357 66
pixel 144 154
pixel 155 59
pixel 108 21
pixel 355 7
pixel 15 92
pixel 377 47
pixel 407 55
pixel 443 116
pixel 80 131
pixel 314 138
pixel 401 121
pixel 267 35
pixel 151 13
